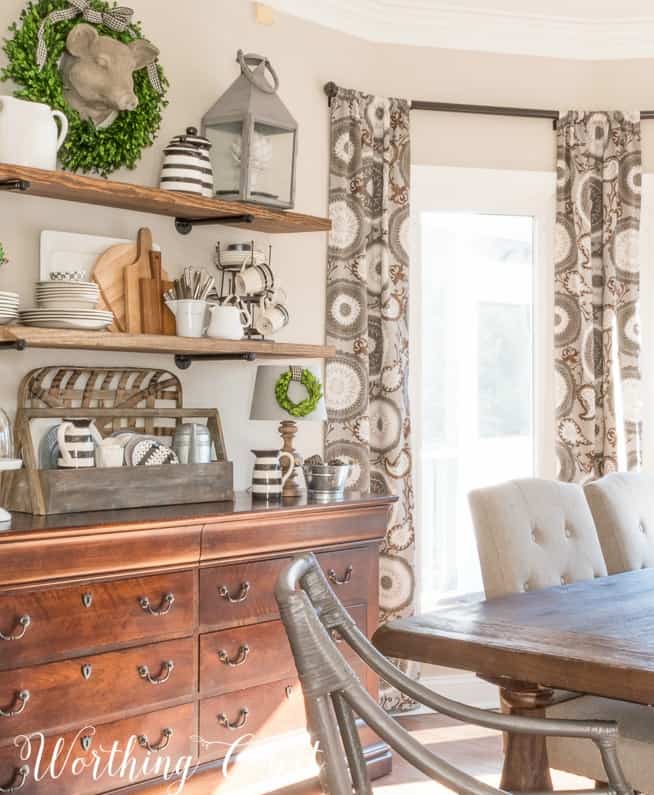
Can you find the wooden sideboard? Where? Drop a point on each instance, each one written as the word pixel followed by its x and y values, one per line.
pixel 157 630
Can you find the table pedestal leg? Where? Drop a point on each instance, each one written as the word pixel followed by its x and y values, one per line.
pixel 526 767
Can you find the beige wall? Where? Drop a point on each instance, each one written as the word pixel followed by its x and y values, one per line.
pixel 198 54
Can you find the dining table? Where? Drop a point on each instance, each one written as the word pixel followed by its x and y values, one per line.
pixel 593 637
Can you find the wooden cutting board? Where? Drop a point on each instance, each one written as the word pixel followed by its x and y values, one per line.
pixel 108 274
pixel 133 273
pixel 151 297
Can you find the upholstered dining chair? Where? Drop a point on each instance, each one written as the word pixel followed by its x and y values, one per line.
pixel 534 534
pixel 622 505
pixel 334 695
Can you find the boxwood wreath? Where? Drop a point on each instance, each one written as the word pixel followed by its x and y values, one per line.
pixel 86 148
pixel 308 381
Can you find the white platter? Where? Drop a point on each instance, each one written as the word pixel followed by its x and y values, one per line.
pixel 67 251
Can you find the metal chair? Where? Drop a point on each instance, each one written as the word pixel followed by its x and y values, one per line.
pixel 333 696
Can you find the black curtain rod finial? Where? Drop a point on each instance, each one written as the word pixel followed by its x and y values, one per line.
pixel 331 89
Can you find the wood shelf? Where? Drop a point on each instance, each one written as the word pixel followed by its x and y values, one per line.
pixel 65 339
pixel 182 206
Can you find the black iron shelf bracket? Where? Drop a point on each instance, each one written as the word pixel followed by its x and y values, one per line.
pixel 184 361
pixel 17 185
pixel 13 345
pixel 185 225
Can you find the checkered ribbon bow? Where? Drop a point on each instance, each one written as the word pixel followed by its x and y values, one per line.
pixel 118 19
pixel 296 373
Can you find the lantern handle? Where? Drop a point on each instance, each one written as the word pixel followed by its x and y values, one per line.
pixel 245 59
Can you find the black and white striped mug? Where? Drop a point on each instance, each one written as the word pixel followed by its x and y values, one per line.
pixel 77 440
pixel 267 478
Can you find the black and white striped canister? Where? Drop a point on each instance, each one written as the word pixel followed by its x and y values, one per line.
pixel 187 165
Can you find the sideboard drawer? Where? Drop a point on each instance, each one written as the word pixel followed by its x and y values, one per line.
pixel 90 688
pixel 168 732
pixel 258 712
pixel 239 658
pixel 244 593
pixel 60 622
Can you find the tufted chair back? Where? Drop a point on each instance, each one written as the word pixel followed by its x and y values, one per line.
pixel 622 505
pixel 533 534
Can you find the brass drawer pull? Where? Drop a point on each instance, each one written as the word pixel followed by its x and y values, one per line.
pixel 332 576
pixel 165 606
pixel 164 675
pixel 21 698
pixel 238 724
pixel 22 773
pixel 166 734
pixel 240 658
pixel 24 624
pixel 241 596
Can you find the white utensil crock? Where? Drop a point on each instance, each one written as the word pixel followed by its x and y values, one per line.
pixel 190 316
pixel 28 133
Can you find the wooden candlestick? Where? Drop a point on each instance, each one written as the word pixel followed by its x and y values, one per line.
pixel 293 487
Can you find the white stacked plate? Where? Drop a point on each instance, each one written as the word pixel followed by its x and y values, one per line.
pixel 8 307
pixel 87 319
pixel 67 295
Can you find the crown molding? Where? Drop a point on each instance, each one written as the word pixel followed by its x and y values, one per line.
pixel 426 23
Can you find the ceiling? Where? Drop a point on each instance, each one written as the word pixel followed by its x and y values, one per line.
pixel 580 29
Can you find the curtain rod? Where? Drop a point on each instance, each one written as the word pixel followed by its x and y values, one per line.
pixel 331 90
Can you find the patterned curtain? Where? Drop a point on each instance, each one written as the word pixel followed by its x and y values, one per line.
pixel 367 383
pixel 597 335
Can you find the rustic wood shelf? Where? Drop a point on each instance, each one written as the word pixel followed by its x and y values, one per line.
pixel 186 208
pixel 185 349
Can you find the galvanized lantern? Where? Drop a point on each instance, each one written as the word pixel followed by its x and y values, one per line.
pixel 254 138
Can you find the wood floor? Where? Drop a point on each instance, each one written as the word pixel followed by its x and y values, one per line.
pixel 478 751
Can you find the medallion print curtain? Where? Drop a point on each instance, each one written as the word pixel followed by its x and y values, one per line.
pixel 367 321
pixel 597 335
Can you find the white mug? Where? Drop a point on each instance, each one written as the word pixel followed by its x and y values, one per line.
pixel 190 316
pixel 256 279
pixel 270 317
pixel 110 453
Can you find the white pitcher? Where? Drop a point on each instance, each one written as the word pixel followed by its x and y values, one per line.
pixel 28 133
pixel 227 320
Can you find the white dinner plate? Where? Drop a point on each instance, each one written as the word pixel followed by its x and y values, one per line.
pixel 66 303
pixel 68 323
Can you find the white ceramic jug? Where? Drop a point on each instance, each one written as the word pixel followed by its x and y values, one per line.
pixel 227 320
pixel 28 133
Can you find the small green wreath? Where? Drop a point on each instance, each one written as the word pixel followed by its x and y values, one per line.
pixel 309 382
pixel 86 148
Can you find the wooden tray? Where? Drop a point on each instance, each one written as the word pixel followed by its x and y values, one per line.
pixel 148 401
pixel 77 491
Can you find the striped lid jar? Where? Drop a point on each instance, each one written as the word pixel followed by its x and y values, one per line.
pixel 187 165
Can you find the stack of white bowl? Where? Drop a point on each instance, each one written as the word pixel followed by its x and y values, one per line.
pixel 67 304
pixel 8 307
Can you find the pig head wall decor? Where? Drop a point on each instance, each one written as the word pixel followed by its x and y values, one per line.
pixel 98 72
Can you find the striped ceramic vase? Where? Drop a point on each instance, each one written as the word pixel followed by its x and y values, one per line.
pixel 187 165
pixel 267 478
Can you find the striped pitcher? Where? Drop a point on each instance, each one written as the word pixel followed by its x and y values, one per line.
pixel 267 478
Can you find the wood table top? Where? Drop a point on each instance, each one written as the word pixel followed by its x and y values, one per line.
pixel 592 637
